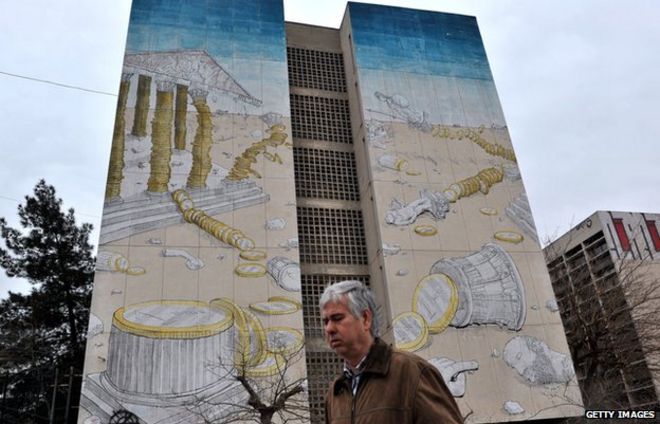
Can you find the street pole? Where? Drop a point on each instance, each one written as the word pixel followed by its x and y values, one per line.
pixel 68 396
pixel 51 419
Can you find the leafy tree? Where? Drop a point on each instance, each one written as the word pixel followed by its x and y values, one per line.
pixel 46 328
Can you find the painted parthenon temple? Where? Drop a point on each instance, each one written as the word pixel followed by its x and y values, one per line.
pixel 176 77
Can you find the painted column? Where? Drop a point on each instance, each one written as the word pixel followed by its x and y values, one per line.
pixel 180 112
pixel 201 149
pixel 161 136
pixel 115 170
pixel 142 106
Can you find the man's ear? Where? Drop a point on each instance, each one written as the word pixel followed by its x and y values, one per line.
pixel 367 317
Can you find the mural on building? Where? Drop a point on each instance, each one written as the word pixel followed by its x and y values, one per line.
pixel 457 232
pixel 198 275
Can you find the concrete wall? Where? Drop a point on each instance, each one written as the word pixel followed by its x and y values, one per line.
pixel 199 226
pixel 458 263
pixel 633 246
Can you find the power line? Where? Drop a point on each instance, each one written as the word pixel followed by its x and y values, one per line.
pixel 77 212
pixel 59 84
pixel 10 198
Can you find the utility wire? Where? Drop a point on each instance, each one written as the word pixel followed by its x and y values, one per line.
pixel 10 198
pixel 77 213
pixel 59 84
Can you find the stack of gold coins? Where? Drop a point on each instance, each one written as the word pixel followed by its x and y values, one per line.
pixel 243 164
pixel 493 149
pixel 482 182
pixel 250 338
pixel 259 352
pixel 489 177
pixel 220 230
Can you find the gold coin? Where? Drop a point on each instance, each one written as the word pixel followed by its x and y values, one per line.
pixel 488 211
pixel 250 270
pixel 426 230
pixel 283 340
pixel 436 300
pixel 285 299
pixel 276 306
pixel 277 128
pixel 484 186
pixel 410 331
pixel 136 270
pixel 124 319
pixel 243 353
pixel 258 341
pixel 280 137
pixel 253 255
pixel 244 243
pixel 271 365
pixel 451 195
pixel 509 236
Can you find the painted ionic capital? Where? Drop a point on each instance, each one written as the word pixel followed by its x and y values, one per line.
pixel 166 85
pixel 198 94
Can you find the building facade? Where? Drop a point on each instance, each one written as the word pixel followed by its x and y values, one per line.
pixel 606 275
pixel 255 161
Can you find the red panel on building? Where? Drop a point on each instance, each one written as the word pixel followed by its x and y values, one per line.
pixel 653 230
pixel 621 233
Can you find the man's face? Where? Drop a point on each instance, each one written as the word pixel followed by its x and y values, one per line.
pixel 347 335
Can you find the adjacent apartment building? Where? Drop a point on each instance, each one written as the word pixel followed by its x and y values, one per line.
pixel 255 161
pixel 606 275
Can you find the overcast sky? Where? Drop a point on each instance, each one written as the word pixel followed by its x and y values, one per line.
pixel 578 82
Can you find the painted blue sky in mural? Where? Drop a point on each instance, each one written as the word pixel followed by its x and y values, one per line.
pixel 396 39
pixel 245 29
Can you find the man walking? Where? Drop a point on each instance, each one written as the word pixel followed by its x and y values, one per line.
pixel 379 384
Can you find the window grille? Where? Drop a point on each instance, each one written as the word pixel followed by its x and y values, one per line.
pixel 316 69
pixel 325 174
pixel 320 118
pixel 322 368
pixel 331 236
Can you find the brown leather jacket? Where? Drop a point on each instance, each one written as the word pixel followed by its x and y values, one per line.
pixel 396 387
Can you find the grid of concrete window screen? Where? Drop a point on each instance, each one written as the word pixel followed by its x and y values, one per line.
pixel 580 275
pixel 323 171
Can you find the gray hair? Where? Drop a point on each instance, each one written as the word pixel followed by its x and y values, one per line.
pixel 359 299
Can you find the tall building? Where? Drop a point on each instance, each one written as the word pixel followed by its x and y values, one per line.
pixel 606 275
pixel 255 161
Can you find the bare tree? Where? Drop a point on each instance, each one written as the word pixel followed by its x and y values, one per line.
pixel 261 394
pixel 610 308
